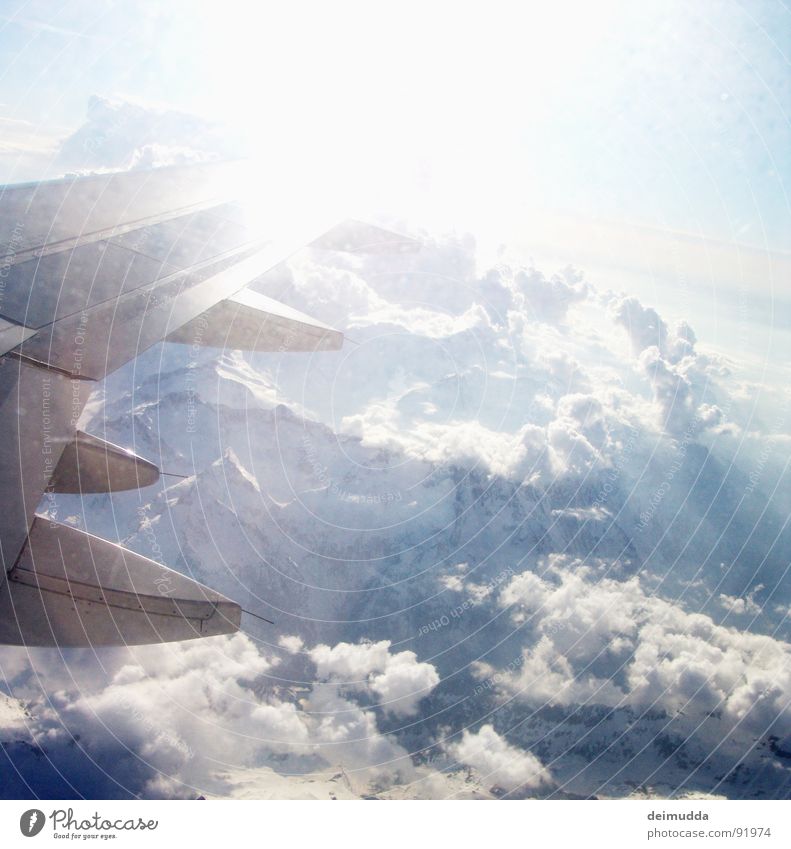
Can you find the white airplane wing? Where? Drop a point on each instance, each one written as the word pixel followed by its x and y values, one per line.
pixel 94 270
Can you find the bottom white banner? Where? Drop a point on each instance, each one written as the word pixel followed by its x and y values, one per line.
pixel 623 823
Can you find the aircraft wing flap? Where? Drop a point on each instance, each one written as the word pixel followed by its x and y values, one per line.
pixel 91 464
pixel 12 335
pixel 97 341
pixel 69 588
pixel 251 321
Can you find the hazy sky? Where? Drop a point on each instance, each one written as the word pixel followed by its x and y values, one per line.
pixel 673 113
pixel 649 142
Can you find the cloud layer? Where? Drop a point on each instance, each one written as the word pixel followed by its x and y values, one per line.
pixel 656 654
pixel 522 531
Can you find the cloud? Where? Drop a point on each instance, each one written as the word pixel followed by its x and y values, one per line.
pixel 565 370
pixel 524 407
pixel 548 299
pixel 578 435
pixel 119 134
pixel 678 375
pixel 741 605
pixel 603 641
pixel 159 718
pixel 291 643
pixel 643 325
pixel 672 392
pixel 403 683
pixel 172 720
pixel 348 735
pixel 454 583
pixel 677 409
pixel 350 662
pixel 497 762
pixel 335 294
pixel 399 681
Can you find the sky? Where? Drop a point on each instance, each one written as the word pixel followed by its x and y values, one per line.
pixel 676 115
pixel 648 143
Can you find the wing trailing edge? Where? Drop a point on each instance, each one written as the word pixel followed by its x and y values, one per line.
pixel 91 464
pixel 251 321
pixel 69 588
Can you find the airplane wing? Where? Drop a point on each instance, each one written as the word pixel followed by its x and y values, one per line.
pixel 94 270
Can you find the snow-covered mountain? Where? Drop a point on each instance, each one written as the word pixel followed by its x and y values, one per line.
pixel 520 537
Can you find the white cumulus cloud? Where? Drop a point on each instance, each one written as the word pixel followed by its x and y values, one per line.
pixel 497 762
pixel 399 680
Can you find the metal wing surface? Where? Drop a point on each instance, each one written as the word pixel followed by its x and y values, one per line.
pixel 94 271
